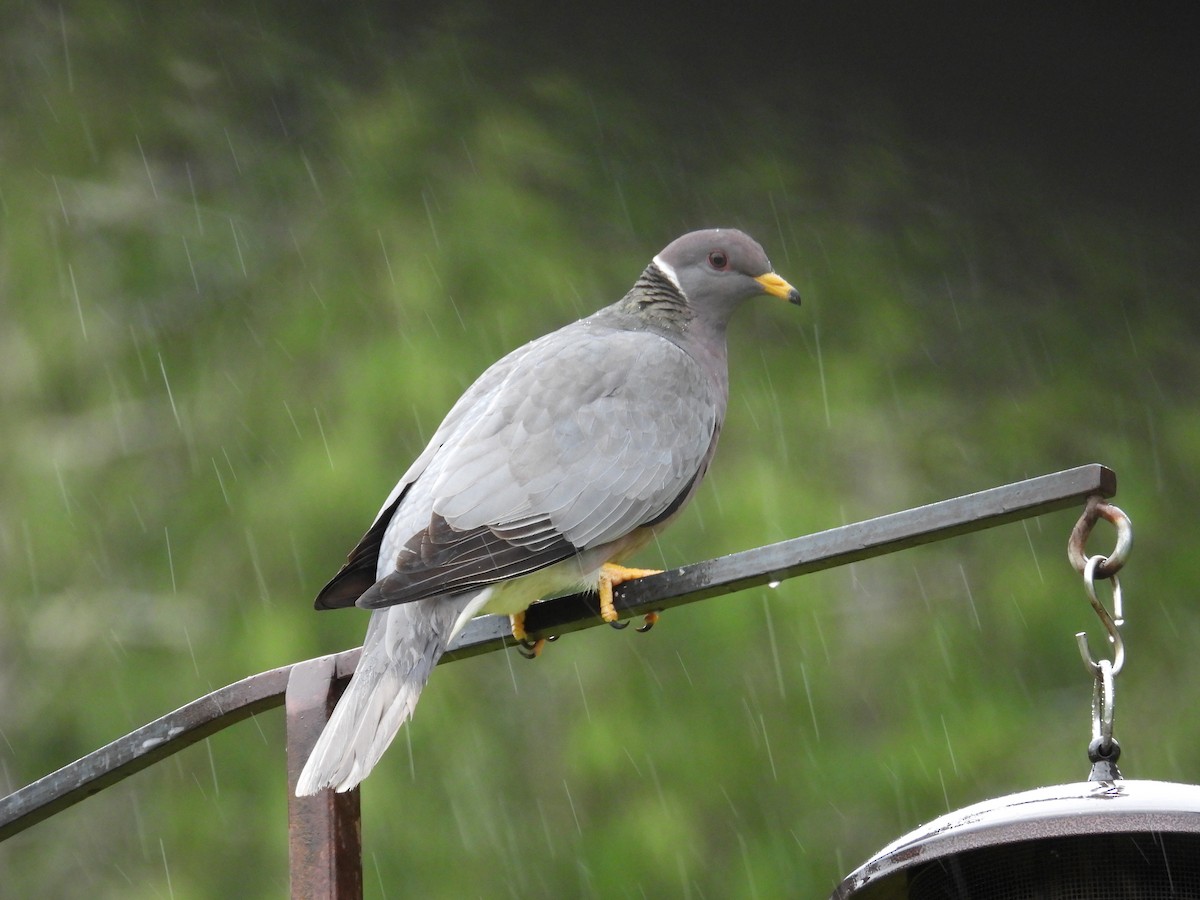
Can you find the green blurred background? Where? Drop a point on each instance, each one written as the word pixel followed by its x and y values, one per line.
pixel 251 253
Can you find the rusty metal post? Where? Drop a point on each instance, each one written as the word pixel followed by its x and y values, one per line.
pixel 325 831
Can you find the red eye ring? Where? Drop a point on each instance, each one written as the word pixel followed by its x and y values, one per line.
pixel 719 260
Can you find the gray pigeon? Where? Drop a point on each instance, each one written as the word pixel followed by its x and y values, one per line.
pixel 562 459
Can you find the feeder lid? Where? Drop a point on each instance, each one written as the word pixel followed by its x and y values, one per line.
pixel 1060 811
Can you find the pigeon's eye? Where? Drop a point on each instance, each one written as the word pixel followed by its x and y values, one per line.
pixel 719 260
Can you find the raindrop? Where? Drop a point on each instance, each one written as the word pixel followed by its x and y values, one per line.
pixel 221 483
pixel 31 559
pixel 237 246
pixel 166 868
pixel 457 311
pixel 1033 551
pixel 191 265
pixel 747 864
pixel 683 665
pixel 62 25
pixel 970 597
pixel 312 176
pixel 762 723
pixel 378 874
pixel 429 214
pixel 321 428
pixel 78 303
pixel 582 692
pixel 62 205
pixel 62 490
pixel 774 646
pixel 264 593
pixel 953 301
pixel 195 200
pixel 821 373
pixel 387 262
pixel 146 164
pixel 232 152
pixel 170 396
pixel 545 828
pixel 812 707
pixel 228 461
pixel 295 424
pixel 187 636
pixel 949 745
pixel 571 803
pixel 212 763
pixel 171 566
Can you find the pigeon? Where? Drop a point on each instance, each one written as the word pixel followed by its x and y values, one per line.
pixel 558 463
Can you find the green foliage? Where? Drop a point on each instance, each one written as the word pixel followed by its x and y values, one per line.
pixel 246 269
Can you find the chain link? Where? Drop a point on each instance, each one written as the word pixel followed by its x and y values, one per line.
pixel 1103 671
pixel 1096 510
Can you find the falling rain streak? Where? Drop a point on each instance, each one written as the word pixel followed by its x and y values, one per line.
pixel 162 367
pixel 78 302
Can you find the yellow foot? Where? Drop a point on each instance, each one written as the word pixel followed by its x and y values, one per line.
pixel 518 627
pixel 527 648
pixel 610 576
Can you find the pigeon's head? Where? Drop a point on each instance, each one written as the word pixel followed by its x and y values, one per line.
pixel 718 268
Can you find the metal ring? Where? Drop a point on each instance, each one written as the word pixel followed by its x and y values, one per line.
pixel 1095 510
pixel 1097 752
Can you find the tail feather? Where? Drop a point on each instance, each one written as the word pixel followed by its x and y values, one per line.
pixel 402 646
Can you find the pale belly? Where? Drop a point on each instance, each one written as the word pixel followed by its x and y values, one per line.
pixel 580 573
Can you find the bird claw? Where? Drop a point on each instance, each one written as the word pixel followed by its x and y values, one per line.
pixel 531 649
pixel 649 622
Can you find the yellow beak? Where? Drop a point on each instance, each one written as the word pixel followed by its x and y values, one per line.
pixel 775 286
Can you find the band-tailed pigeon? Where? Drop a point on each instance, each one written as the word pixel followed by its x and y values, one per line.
pixel 562 459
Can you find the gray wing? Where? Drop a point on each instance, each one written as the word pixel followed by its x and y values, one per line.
pixel 360 571
pixel 591 434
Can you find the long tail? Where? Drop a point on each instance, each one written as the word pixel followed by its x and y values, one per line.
pixel 402 646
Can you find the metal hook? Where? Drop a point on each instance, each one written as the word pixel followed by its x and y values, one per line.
pixel 1103 751
pixel 1111 623
pixel 1103 700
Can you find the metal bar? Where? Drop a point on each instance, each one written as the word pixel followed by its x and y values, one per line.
pixel 324 831
pixel 750 568
pixel 802 555
pixel 147 745
pixel 141 748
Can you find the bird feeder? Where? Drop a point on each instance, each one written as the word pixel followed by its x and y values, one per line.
pixel 1101 839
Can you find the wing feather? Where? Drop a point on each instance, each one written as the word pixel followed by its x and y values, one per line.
pixel 590 434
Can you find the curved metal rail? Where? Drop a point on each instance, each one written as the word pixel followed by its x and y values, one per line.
pixel 325 845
